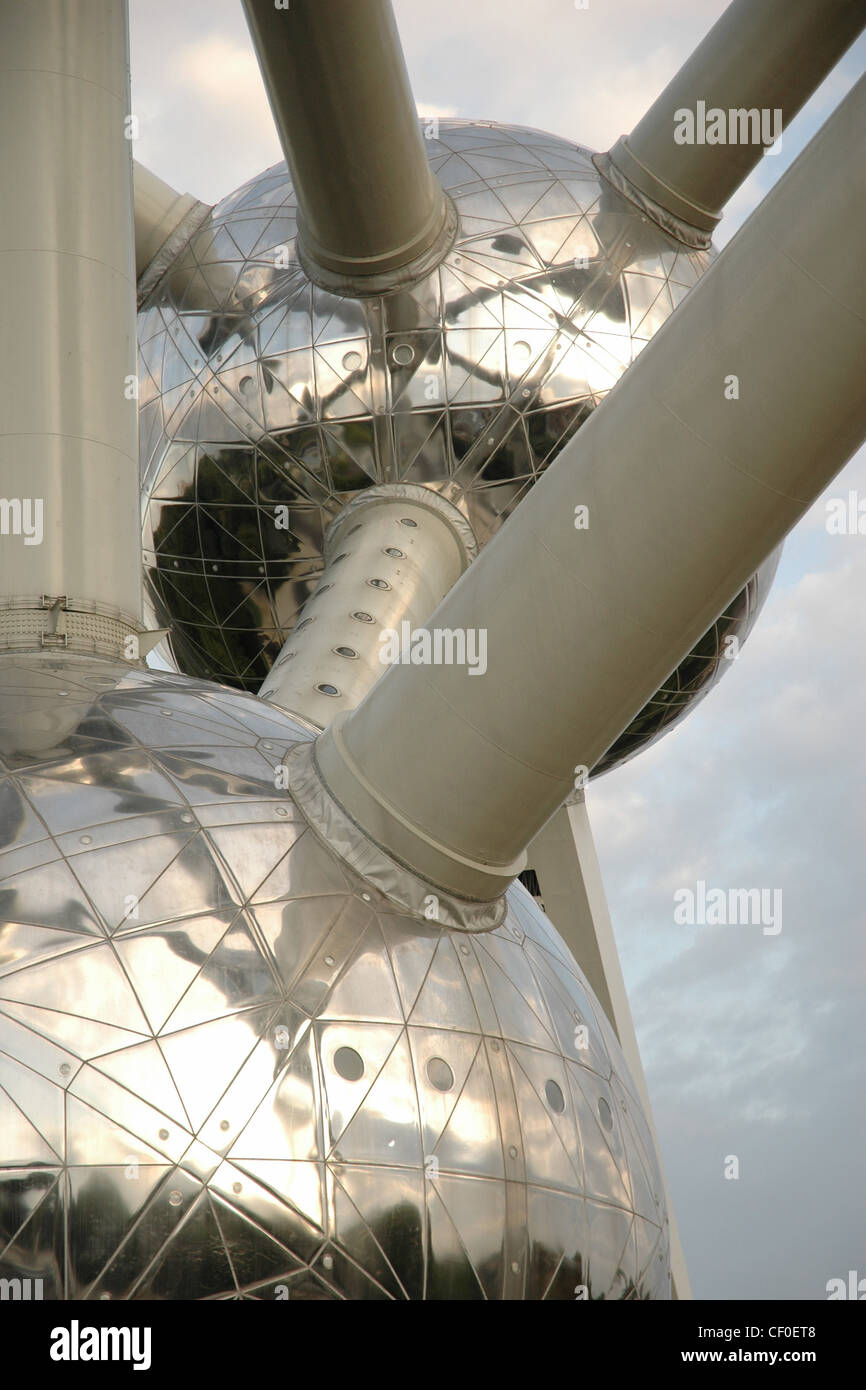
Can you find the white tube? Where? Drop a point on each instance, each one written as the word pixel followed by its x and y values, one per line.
pixel 68 427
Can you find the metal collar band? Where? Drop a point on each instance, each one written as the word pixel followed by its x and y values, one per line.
pixel 392 879
pixel 680 228
pixel 423 496
pixel 170 250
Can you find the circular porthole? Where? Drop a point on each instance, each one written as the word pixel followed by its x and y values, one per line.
pixel 555 1098
pixel 348 1063
pixel 439 1074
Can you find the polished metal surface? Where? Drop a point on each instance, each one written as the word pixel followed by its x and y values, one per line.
pixel 688 490
pixel 228 1068
pixel 260 390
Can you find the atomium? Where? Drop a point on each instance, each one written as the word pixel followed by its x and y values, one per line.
pixel 231 1068
pixel 260 390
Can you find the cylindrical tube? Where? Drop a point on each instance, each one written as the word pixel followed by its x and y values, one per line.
pixel 370 212
pixel 159 211
pixel 390 558
pixel 68 427
pixel 713 444
pixel 756 67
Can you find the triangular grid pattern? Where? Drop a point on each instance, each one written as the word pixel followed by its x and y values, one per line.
pixel 228 1070
pixel 259 389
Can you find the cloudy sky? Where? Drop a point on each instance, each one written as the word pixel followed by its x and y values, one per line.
pixel 752 1043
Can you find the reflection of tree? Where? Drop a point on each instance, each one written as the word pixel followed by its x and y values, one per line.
pixel 217 519
pixel 35 1252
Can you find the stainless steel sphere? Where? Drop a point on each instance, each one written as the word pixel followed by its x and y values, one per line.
pixel 230 1069
pixel 260 390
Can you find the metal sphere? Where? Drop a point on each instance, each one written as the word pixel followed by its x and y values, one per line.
pixel 229 1069
pixel 260 390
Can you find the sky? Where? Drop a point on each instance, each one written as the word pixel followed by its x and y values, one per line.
pixel 751 1041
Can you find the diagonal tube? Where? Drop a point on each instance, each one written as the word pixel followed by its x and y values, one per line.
pixel 759 64
pixel 371 215
pixel 714 443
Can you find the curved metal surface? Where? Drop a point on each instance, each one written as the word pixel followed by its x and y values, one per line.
pixel 391 556
pixel 68 441
pixel 228 1068
pixel 260 391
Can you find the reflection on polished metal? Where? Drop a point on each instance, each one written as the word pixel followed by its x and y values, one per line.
pixel 260 390
pixel 230 1064
pixel 230 1067
pixel 687 492
pixel 247 1047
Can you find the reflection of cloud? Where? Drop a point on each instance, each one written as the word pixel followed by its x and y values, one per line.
pixel 429 108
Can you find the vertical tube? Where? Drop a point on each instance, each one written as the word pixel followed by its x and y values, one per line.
pixel 68 427
pixel 370 213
